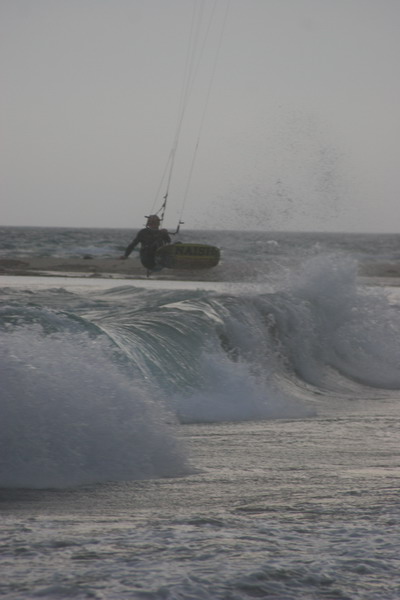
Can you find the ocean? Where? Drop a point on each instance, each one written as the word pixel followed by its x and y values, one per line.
pixel 225 439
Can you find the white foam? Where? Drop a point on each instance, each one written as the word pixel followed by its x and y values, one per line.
pixel 341 325
pixel 232 392
pixel 68 416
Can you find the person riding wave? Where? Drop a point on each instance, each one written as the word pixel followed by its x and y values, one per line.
pixel 150 239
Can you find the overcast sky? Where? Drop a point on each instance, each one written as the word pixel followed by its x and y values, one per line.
pixel 301 131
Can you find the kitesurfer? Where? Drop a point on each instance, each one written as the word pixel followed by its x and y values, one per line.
pixel 150 238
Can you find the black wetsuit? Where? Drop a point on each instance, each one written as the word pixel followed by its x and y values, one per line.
pixel 150 240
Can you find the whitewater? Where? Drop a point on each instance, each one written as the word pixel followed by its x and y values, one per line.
pixel 230 438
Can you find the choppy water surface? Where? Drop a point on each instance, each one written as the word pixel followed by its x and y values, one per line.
pixel 283 509
pixel 221 442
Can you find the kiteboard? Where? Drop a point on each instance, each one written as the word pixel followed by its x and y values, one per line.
pixel 187 256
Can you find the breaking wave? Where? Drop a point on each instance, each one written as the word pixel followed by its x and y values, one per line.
pixel 96 391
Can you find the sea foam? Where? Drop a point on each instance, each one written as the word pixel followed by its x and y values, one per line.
pixel 337 324
pixel 69 416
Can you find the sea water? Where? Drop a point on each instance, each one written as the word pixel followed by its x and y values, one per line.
pixel 228 439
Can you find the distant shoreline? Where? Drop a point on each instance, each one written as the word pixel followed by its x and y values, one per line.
pixel 111 268
pixel 371 273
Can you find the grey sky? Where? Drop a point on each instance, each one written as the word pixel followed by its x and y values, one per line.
pixel 302 130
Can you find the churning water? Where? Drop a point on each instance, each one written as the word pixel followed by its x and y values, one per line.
pixel 230 440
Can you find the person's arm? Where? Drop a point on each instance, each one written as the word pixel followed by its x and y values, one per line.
pixel 131 246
